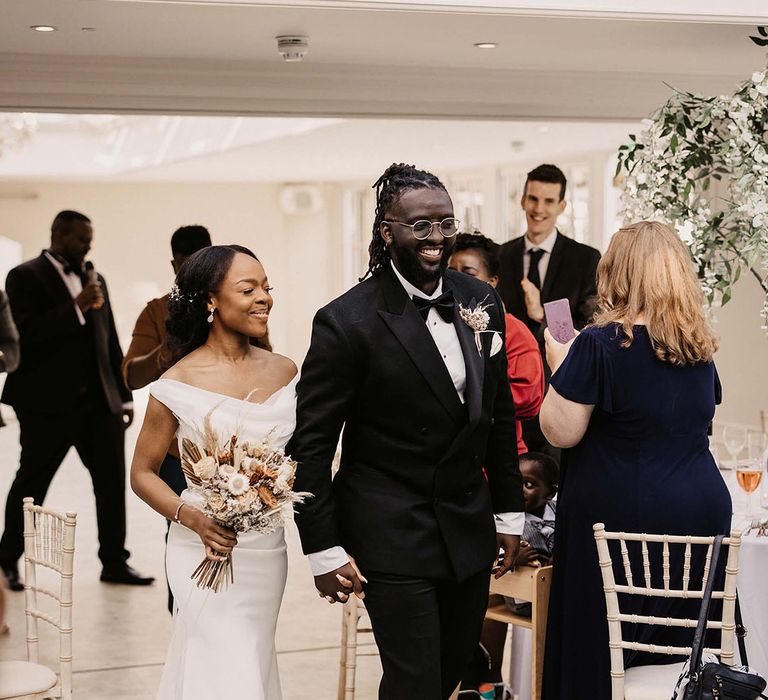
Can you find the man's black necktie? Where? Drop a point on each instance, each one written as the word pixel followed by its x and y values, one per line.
pixel 443 304
pixel 535 256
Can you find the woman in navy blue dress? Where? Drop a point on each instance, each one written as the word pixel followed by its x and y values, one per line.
pixel 631 400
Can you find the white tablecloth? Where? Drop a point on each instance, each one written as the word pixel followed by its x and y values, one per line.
pixel 753 572
pixel 753 596
pixel 520 662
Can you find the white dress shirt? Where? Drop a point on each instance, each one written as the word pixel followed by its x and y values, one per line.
pixel 71 280
pixel 443 333
pixel 546 245
pixel 447 340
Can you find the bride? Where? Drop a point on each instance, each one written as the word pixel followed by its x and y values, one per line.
pixel 222 643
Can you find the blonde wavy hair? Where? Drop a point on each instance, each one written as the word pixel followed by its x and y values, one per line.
pixel 648 273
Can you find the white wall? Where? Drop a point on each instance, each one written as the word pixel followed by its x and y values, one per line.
pixel 133 224
pixel 742 360
pixel 302 255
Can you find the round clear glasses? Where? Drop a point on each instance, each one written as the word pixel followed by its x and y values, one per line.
pixel 422 229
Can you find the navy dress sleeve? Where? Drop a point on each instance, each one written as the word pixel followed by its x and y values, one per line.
pixel 585 374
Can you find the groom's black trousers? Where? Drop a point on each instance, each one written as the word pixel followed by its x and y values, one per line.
pixel 426 630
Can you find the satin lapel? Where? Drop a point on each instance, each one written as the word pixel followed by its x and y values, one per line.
pixel 553 268
pixel 474 361
pixel 411 331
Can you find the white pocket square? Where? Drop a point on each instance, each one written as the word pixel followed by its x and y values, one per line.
pixel 496 343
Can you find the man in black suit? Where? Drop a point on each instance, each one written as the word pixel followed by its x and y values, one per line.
pixel 544 265
pixel 68 391
pixel 410 522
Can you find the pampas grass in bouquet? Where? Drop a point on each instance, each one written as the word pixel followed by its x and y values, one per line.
pixel 244 487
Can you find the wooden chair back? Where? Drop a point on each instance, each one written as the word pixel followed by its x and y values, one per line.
pixel 529 584
pixel 644 587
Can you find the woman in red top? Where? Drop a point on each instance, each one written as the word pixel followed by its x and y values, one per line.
pixel 476 255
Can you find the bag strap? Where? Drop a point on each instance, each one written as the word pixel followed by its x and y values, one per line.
pixel 741 633
pixel 697 648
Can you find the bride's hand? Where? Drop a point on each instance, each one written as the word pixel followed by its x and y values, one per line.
pixel 218 540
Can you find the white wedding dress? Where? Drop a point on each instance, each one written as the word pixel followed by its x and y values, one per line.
pixel 223 644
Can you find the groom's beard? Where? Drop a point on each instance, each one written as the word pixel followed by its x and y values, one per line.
pixel 409 266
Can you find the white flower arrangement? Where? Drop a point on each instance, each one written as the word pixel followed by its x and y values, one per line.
pixel 687 143
pixel 244 486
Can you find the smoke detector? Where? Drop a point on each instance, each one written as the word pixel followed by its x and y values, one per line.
pixel 292 48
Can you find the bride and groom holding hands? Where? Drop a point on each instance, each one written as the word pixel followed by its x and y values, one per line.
pixel 408 368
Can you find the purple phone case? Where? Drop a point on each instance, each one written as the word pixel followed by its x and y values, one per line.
pixel 559 320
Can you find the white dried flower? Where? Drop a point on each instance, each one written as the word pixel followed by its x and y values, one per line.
pixel 238 484
pixel 205 468
pixel 226 470
pixel 476 317
pixel 216 502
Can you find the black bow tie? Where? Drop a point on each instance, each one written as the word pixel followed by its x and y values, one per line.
pixel 442 304
pixel 66 268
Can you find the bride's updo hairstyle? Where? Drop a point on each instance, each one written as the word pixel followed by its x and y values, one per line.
pixel 187 325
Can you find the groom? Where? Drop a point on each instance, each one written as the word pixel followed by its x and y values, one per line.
pixel 424 413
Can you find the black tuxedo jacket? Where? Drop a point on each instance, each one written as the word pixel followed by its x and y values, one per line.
pixel 410 497
pixel 571 275
pixel 50 374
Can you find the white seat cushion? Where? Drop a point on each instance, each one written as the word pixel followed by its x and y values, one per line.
pixel 24 678
pixel 651 682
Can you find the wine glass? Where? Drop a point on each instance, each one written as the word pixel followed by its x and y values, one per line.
pixel 757 448
pixel 757 442
pixel 749 475
pixel 734 439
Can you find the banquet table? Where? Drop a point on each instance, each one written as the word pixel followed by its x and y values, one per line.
pixel 753 596
pixel 753 575
pixel 752 582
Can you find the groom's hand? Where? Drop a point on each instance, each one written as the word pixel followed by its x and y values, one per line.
pixel 340 583
pixel 510 544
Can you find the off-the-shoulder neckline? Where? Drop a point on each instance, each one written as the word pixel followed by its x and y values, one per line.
pixel 233 398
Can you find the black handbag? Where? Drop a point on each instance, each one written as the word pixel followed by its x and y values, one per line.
pixel 715 680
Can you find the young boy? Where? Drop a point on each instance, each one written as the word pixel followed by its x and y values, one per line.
pixel 540 474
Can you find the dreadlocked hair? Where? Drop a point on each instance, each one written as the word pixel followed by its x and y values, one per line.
pixel 397 179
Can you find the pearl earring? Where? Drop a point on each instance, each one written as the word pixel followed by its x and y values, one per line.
pixel 210 316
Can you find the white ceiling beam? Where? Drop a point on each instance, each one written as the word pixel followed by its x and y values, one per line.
pixel 716 11
pixel 111 85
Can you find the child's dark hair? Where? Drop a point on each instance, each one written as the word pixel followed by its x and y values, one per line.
pixel 482 244
pixel 550 470
pixel 397 179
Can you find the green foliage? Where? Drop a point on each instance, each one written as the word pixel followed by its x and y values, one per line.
pixel 688 145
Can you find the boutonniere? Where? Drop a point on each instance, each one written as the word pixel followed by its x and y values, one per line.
pixel 477 318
